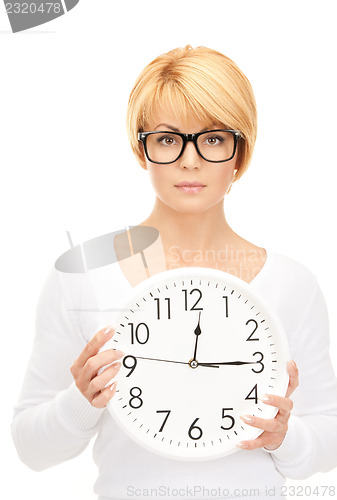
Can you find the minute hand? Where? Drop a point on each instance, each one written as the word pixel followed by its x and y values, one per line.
pixel 228 363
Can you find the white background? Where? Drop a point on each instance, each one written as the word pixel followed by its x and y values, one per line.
pixel 66 164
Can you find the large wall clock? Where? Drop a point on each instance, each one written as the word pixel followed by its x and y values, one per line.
pixel 200 349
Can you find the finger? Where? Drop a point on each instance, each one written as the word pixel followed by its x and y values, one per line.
pixel 99 383
pixel 293 377
pixel 102 399
pixel 269 425
pixel 252 444
pixel 285 405
pixel 93 346
pixel 95 363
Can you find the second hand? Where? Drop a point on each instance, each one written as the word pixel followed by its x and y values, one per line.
pixel 170 361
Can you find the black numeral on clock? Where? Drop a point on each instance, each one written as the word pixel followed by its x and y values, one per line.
pixel 135 333
pixel 254 330
pixel 165 419
pixel 254 392
pixel 168 307
pixel 196 429
pixel 226 304
pixel 259 362
pixel 136 401
pixel 231 422
pixel 133 365
pixel 193 308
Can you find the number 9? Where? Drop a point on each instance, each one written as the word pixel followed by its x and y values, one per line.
pixel 133 366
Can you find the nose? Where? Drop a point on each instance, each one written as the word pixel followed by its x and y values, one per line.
pixel 190 158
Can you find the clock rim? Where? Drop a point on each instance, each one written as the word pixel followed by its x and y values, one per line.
pixel 202 272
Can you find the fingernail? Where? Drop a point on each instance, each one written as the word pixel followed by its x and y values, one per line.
pixel 120 354
pixel 113 385
pixel 248 418
pixel 264 398
pixel 242 445
pixel 110 329
pixel 293 364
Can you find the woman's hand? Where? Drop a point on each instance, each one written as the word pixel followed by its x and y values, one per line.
pixel 86 367
pixel 274 429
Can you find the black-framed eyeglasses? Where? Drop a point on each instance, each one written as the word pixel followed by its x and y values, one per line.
pixel 216 146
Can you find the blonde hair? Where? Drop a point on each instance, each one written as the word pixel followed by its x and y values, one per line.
pixel 197 81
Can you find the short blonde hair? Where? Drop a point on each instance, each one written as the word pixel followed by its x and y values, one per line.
pixel 198 81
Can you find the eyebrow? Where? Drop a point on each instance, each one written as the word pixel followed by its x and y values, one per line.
pixel 167 126
pixel 177 130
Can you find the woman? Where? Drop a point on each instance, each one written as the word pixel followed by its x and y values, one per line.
pixel 192 126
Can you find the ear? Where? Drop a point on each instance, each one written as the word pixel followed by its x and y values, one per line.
pixel 142 163
pixel 142 159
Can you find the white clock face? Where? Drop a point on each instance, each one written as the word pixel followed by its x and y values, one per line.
pixel 200 349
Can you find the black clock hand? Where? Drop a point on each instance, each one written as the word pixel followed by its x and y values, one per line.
pixel 229 363
pixel 170 361
pixel 197 332
pixel 165 360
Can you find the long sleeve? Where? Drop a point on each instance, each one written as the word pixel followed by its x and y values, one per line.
pixel 311 441
pixel 53 421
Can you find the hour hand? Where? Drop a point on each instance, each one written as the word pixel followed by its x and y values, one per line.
pixel 235 363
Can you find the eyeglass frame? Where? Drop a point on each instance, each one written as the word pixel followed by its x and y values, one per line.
pixel 142 136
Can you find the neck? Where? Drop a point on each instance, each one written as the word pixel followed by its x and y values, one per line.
pixel 190 231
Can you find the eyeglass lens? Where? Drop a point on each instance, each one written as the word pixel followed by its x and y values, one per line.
pixel 165 147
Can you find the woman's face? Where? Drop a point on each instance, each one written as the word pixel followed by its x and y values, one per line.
pixel 168 180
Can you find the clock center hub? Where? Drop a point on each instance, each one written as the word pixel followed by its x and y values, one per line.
pixel 193 363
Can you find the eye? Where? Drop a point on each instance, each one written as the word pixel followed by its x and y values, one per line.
pixel 166 140
pixel 213 140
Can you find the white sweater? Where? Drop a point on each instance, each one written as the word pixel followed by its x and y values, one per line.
pixel 53 422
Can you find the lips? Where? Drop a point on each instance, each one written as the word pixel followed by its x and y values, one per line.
pixel 190 187
pixel 190 184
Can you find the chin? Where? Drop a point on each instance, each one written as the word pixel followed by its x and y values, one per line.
pixel 192 204
pixel 191 208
